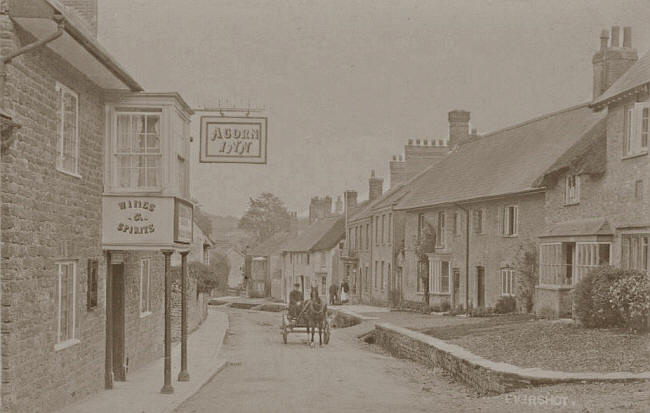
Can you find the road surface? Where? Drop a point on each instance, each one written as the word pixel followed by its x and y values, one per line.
pixel 351 376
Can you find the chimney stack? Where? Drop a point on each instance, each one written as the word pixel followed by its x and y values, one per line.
pixel 375 187
pixel 350 199
pixel 320 208
pixel 610 62
pixel 397 170
pixel 458 127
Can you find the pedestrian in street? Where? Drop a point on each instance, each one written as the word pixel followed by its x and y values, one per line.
pixel 345 288
pixel 334 292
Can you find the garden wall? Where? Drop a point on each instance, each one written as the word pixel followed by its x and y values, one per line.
pixel 197 308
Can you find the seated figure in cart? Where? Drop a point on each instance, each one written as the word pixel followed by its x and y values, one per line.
pixel 295 301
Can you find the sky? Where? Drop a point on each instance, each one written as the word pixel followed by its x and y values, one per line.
pixel 345 84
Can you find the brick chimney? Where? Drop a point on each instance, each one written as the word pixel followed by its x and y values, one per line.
pixel 375 186
pixel 350 199
pixel 338 209
pixel 458 127
pixel 320 208
pixel 86 10
pixel 421 155
pixel 397 170
pixel 611 61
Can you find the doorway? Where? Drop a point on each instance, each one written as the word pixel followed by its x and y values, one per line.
pixel 118 308
pixel 480 286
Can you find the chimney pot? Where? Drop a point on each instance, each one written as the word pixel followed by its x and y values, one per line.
pixel 627 36
pixel 604 37
pixel 410 141
pixel 615 36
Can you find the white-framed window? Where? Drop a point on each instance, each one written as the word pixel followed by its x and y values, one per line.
pixel 440 239
pixel 439 276
pixel 145 286
pixel 206 254
pixel 478 220
pixel 137 150
pixel 571 189
pixel 634 251
pixel 507 281
pixel 67 322
pixel 67 130
pixel 511 220
pixel 637 117
pixel 565 263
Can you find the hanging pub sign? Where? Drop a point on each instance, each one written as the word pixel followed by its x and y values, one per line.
pixel 233 139
pixel 145 222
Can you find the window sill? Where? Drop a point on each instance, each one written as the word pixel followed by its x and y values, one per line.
pixel 439 293
pixel 65 344
pixel 571 203
pixel 634 155
pixel 511 236
pixel 507 295
pixel 145 314
pixel 73 174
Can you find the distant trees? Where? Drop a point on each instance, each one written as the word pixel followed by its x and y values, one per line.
pixel 266 216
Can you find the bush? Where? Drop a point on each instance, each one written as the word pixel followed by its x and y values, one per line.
pixel 506 304
pixel 630 295
pixel 592 298
pixel 206 277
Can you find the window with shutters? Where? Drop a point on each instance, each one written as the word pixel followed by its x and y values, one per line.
pixel 510 220
pixel 66 304
pixel 635 133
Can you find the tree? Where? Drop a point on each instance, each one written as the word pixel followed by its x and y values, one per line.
pixel 265 217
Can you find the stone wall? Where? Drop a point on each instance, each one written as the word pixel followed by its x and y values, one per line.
pixel 47 216
pixel 197 308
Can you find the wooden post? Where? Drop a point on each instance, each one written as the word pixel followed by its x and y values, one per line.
pixel 108 359
pixel 167 386
pixel 184 375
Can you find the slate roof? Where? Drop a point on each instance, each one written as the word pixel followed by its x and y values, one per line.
pixel 588 155
pixel 507 161
pixel 323 234
pixel 635 76
pixel 587 226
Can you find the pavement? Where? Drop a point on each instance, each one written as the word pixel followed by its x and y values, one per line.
pixel 141 392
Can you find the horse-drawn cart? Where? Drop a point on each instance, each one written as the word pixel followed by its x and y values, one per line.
pixel 307 321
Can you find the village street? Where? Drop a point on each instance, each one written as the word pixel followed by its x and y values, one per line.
pixel 348 375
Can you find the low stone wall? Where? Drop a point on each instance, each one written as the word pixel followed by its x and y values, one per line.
pixel 197 308
pixel 484 376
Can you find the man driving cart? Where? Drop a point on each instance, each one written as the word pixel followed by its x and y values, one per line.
pixel 295 301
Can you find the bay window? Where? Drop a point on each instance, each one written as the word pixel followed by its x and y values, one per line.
pixel 137 151
pixel 566 263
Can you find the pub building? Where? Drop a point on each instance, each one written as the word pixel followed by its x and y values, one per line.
pixel 146 217
pixel 95 190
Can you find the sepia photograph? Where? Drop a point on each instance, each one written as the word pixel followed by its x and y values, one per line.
pixel 251 206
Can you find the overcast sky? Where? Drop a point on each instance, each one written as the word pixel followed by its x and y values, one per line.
pixel 346 83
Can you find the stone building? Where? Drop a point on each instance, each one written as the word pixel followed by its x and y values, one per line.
pixel 64 167
pixel 311 258
pixel 597 204
pixel 487 182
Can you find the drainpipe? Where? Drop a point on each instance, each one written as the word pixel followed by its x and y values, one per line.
pixel 466 257
pixel 3 75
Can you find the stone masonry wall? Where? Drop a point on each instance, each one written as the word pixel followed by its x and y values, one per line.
pixel 46 216
pixel 197 308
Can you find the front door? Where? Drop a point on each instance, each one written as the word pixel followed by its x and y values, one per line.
pixel 118 307
pixel 480 288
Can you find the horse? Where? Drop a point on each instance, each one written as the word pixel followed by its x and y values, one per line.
pixel 315 313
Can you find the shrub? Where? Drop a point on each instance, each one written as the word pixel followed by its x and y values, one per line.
pixel 592 298
pixel 506 304
pixel 526 276
pixel 630 295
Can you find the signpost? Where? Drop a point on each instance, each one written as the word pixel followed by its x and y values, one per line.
pixel 233 139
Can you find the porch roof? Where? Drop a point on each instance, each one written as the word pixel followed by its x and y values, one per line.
pixel 578 227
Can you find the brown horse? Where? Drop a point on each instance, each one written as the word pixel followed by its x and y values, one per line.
pixel 315 313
